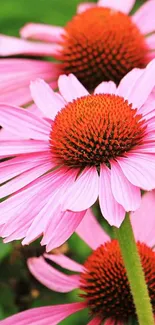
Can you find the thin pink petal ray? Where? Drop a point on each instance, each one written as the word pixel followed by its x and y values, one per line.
pixel 23 123
pixel 144 17
pixel 112 211
pixel 106 87
pixel 127 84
pixel 84 191
pixel 85 6
pixel 139 169
pixel 143 220
pixel 14 46
pixel 150 41
pixel 65 262
pixel 46 99
pixel 90 231
pixel 50 277
pixel 60 228
pixel 95 321
pixel 25 178
pixel 120 5
pixel 143 86
pixel 124 192
pixel 42 32
pixel 44 315
pixel 71 88
pixel 17 147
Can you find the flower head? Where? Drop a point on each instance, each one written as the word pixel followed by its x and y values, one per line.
pixel 101 42
pixel 85 147
pixel 102 279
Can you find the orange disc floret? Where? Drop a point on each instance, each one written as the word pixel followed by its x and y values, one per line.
pixel 105 284
pixel 102 44
pixel 94 129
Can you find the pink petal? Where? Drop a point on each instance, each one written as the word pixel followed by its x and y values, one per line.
pixel 59 180
pixel 23 123
pixel 46 99
pixel 65 262
pixel 16 74
pixel 44 315
pixel 84 191
pixel 70 88
pixel 143 220
pixel 13 46
pixel 24 179
pixel 139 170
pixel 112 211
pixel 50 277
pixel 11 148
pixel 95 321
pixel 150 40
pixel 144 17
pixel 124 192
pixel 91 232
pixel 143 86
pixel 128 83
pixel 60 228
pixel 42 32
pixel 120 5
pixel 85 6
pixel 106 88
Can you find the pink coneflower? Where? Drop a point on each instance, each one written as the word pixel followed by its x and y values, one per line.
pixel 101 43
pixel 86 147
pixel 102 280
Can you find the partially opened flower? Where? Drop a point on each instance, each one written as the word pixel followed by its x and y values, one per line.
pixel 87 146
pixel 102 280
pixel 100 43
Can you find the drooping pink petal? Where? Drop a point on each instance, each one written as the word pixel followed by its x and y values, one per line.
pixel 16 74
pixel 46 99
pixel 150 40
pixel 128 82
pixel 84 191
pixel 120 5
pixel 95 321
pixel 11 148
pixel 59 180
pixel 143 220
pixel 23 123
pixel 44 315
pixel 50 277
pixel 112 211
pixel 42 32
pixel 25 178
pixel 65 262
pixel 60 228
pixel 139 169
pixel 106 88
pixel 14 46
pixel 71 88
pixel 143 86
pixel 124 192
pixel 85 6
pixel 144 17
pixel 91 232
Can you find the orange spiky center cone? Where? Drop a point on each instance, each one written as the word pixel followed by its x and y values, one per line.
pixel 102 44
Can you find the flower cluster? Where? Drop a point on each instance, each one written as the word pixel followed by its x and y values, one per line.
pixel 86 143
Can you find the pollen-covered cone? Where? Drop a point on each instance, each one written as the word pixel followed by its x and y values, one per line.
pixel 101 42
pixel 102 280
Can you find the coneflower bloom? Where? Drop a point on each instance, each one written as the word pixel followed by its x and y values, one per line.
pixel 85 147
pixel 102 42
pixel 102 279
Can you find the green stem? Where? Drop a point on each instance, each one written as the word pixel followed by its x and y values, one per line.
pixel 135 273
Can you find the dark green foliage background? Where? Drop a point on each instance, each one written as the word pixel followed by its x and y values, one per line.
pixel 16 284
